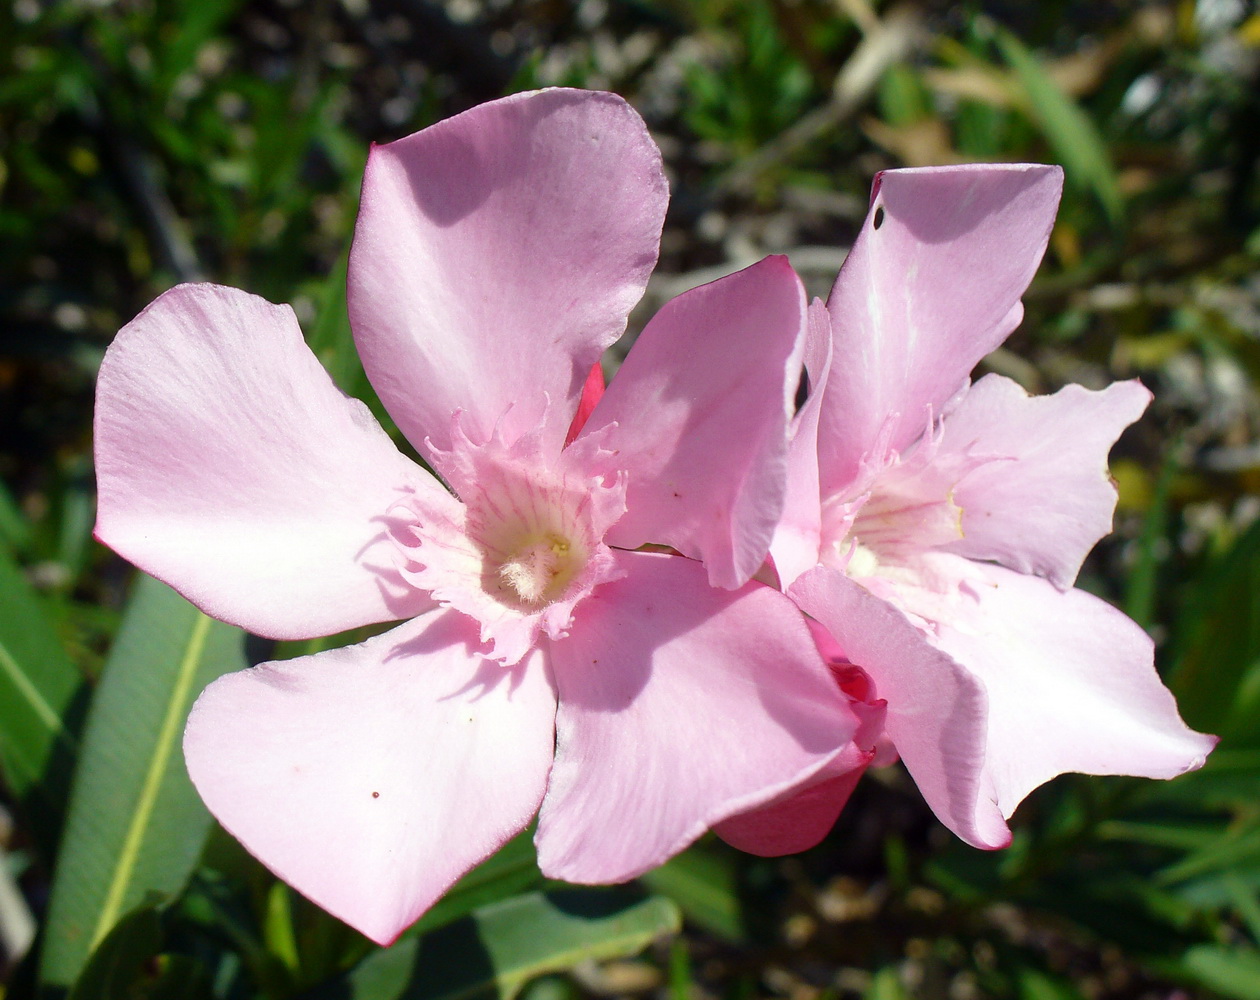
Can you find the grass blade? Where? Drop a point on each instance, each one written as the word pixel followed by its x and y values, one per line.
pixel 41 705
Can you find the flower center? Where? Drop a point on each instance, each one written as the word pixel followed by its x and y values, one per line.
pixel 540 570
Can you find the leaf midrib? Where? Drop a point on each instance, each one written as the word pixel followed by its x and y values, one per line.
pixel 130 853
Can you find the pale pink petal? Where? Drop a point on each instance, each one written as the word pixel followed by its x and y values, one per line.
pixel 931 285
pixel 1047 498
pixel 1071 684
pixel 230 466
pixel 370 778
pixel 702 406
pixel 497 254
pixel 794 547
pixel 936 710
pixel 681 705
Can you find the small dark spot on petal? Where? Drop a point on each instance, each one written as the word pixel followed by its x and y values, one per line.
pixel 376 795
pixel 677 494
pixel 879 217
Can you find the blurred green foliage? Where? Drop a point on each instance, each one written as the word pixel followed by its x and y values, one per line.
pixel 145 142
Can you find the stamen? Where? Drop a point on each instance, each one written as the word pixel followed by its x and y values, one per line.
pixel 539 571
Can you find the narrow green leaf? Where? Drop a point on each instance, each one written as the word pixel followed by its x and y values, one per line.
pixel 118 962
pixel 41 705
pixel 1231 972
pixel 705 886
pixel 136 827
pixel 128 965
pixel 1218 639
pixel 1069 130
pixel 499 948
pixel 1142 585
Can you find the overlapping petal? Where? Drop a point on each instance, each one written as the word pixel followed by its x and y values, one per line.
pixel 797 536
pixel 1046 499
pixel 230 466
pixel 1071 686
pixel 497 254
pixel 681 705
pixel 702 406
pixel 371 777
pixel 937 712
pixel 931 285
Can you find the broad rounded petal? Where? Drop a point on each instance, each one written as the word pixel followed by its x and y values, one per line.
pixel 1071 683
pixel 798 534
pixel 497 254
pixel 230 466
pixel 1047 499
pixel 680 705
pixel 370 778
pixel 937 711
pixel 702 406
pixel 931 286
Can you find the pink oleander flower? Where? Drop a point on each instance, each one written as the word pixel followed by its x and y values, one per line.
pixel 949 521
pixel 637 696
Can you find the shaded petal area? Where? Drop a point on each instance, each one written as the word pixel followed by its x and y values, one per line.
pixel 496 254
pixel 931 286
pixel 797 820
pixel 1071 684
pixel 681 705
pixel 230 466
pixel 1047 499
pixel 702 406
pixel 797 536
pixel 371 777
pixel 937 712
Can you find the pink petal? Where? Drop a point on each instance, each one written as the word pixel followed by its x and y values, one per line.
pixel 592 393
pixel 1071 685
pixel 797 536
pixel 798 820
pixel 370 778
pixel 230 466
pixel 936 710
pixel 925 295
pixel 681 705
pixel 497 254
pixel 1048 499
pixel 702 407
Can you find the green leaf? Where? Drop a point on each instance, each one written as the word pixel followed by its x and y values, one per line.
pixel 136 826
pixel 1218 641
pixel 1069 130
pixel 496 950
pixel 704 884
pixel 41 704
pixel 127 965
pixel 1230 972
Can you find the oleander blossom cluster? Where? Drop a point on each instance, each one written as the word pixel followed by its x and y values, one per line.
pixel 935 526
pixel 547 662
pixel 641 611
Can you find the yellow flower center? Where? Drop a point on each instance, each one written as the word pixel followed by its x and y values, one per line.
pixel 540 570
